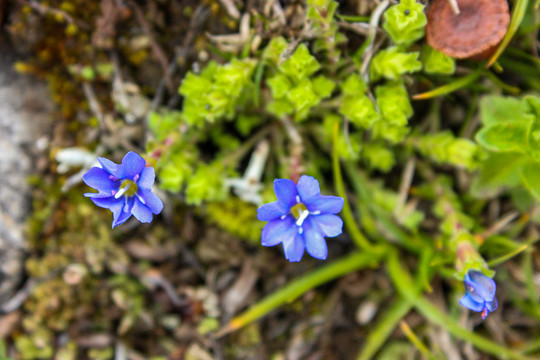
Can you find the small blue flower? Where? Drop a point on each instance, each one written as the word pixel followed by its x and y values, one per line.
pixel 480 296
pixel 125 189
pixel 300 218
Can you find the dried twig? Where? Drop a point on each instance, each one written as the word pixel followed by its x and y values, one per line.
pixel 156 48
pixel 454 5
pixel 44 10
pixel 231 8
pixel 406 180
pixel 374 24
pixel 197 21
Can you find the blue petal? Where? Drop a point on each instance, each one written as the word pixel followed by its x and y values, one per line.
pixel 315 243
pixel 330 225
pixel 151 200
pixel 132 165
pixel 492 305
pixel 277 231
pixel 110 167
pixel 110 203
pixel 271 211
pixel 97 195
pixel 480 285
pixel 120 217
pixel 294 249
pixel 286 192
pixel 308 187
pixel 98 179
pixel 471 304
pixel 325 204
pixel 141 212
pixel 148 175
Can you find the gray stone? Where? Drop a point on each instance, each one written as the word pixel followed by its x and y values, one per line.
pixel 25 108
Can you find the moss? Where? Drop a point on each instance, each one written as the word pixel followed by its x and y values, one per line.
pixel 237 218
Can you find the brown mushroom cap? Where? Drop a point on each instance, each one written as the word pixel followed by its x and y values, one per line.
pixel 477 29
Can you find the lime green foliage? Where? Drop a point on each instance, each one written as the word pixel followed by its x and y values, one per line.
pixel 360 110
pixel 444 148
pixel 320 14
pixel 510 131
pixel 355 104
pixel 393 102
pixel 206 184
pixel 379 156
pixel 176 170
pixel 216 91
pixel 300 65
pixel 405 22
pixel 163 123
pixel 293 89
pixel 392 63
pixel 274 50
pixel 436 62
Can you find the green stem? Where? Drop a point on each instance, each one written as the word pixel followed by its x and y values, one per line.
pixel 416 341
pixel 350 223
pixel 450 87
pixel 301 285
pixel 384 328
pixel 518 13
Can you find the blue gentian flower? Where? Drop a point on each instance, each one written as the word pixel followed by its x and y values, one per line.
pixel 480 293
pixel 300 218
pixel 125 189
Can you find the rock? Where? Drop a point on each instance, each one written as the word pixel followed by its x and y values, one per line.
pixel 25 108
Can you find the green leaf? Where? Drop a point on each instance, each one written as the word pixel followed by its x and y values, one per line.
pixel 353 85
pixel 274 49
pixel 405 22
pixel 360 110
pixel 531 177
pixel 499 109
pixel 391 63
pixel 300 65
pixel 436 62
pixel 303 98
pixel 175 171
pixel 323 86
pixel 279 85
pixel 378 156
pixel 215 93
pixel 393 101
pixel 497 172
pixel 532 106
pixel 390 132
pixel 504 137
pixel 280 107
pixel 161 124
pixel 206 184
